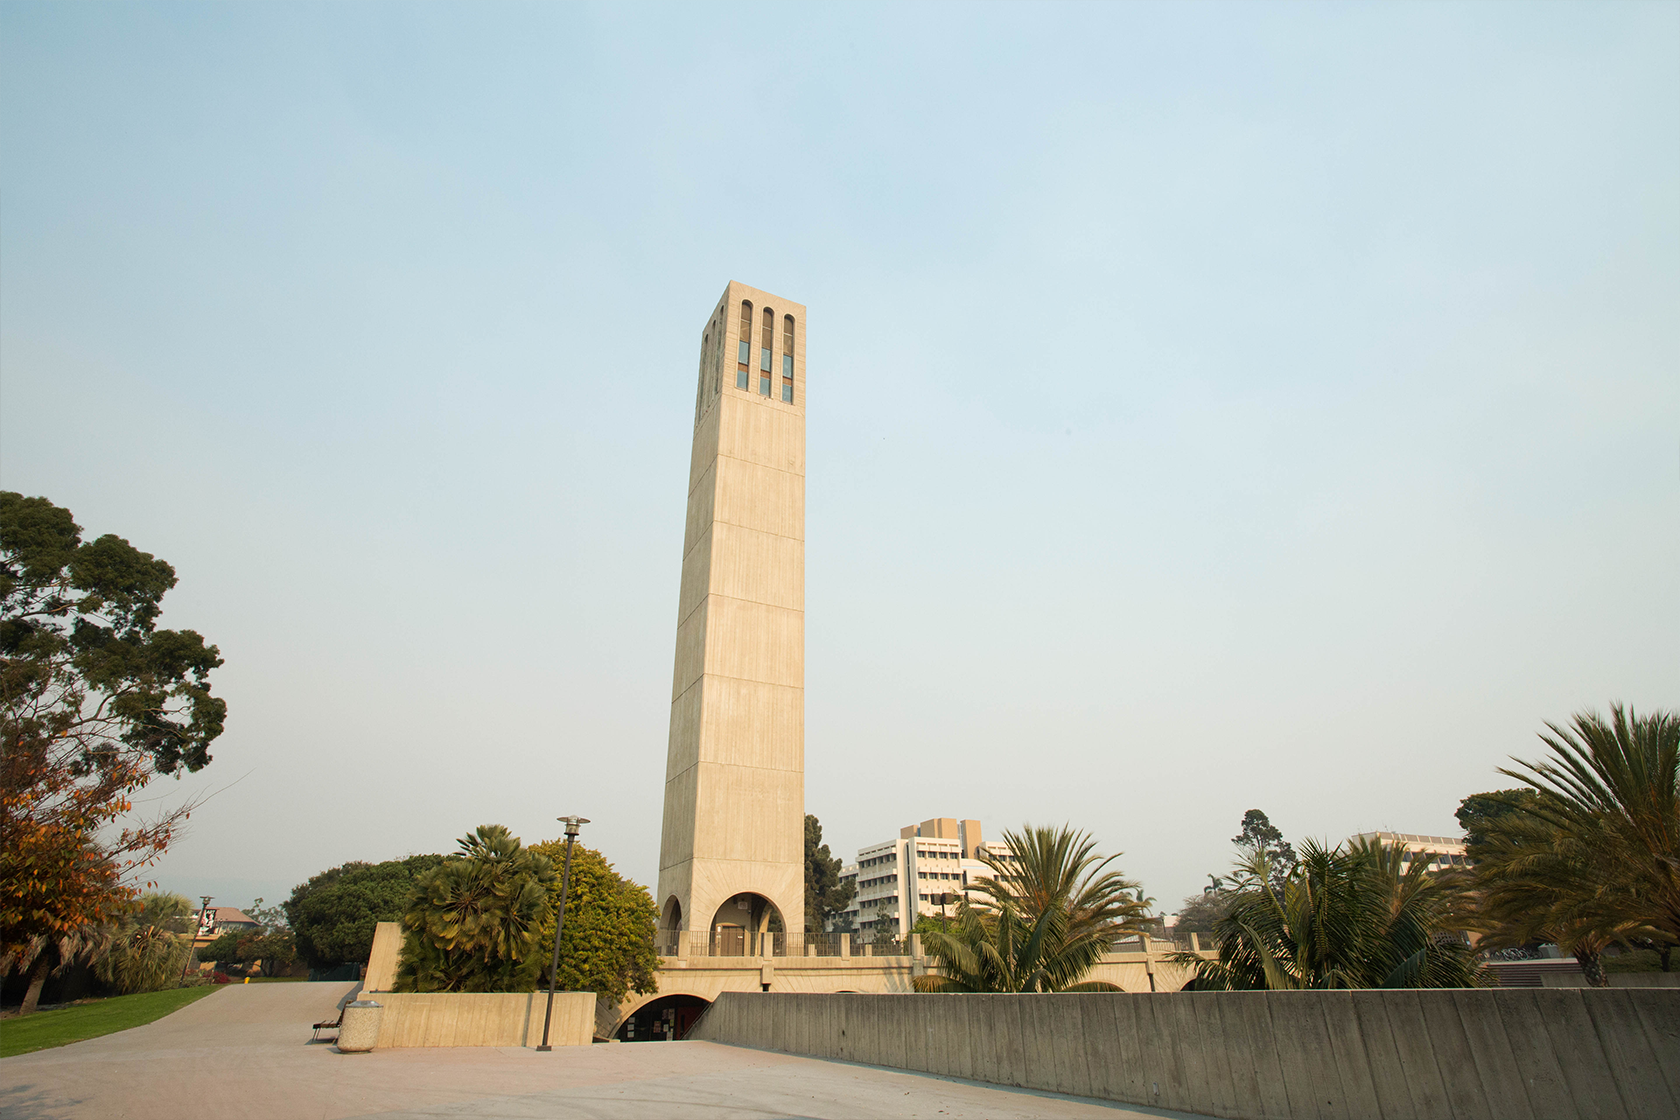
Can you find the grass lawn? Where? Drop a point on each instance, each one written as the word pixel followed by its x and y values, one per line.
pixel 90 1020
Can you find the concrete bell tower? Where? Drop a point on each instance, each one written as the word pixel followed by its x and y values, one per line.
pixel 731 854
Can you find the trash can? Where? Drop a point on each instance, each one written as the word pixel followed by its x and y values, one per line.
pixel 359 1029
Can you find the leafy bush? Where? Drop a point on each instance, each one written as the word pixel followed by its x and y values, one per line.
pixel 333 915
pixel 608 945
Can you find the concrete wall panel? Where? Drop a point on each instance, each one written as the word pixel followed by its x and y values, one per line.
pixel 753 641
pixel 1635 1067
pixel 1496 1066
pixel 1298 1032
pixel 1585 1072
pixel 1282 1055
pixel 763 432
pixel 690 660
pixel 1382 1058
pixel 696 581
pixel 755 566
pixel 1455 1061
pixel 1345 1034
pixel 704 450
pixel 748 723
pixel 702 511
pixel 1216 1051
pixel 1659 1013
pixel 413 1019
pixel 1271 1098
pixel 1423 1077
pixel 386 954
pixel 758 497
pixel 1132 1075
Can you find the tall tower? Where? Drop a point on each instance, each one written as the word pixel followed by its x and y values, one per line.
pixel 731 854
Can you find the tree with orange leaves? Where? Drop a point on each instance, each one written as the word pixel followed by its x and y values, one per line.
pixel 95 701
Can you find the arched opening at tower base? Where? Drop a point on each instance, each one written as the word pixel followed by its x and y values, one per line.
pixel 666 1019
pixel 746 925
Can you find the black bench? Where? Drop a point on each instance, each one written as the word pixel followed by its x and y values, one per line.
pixel 334 1023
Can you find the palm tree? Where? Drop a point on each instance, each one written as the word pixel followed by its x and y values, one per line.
pixel 473 920
pixel 1593 857
pixel 150 946
pixel 1045 917
pixel 43 956
pixel 1353 917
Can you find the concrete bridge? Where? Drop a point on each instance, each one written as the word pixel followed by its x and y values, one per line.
pixel 695 970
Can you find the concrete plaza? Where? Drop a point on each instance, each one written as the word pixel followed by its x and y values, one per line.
pixel 245 1051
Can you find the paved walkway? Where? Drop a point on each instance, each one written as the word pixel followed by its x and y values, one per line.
pixel 245 1052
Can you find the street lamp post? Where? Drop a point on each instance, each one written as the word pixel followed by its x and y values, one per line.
pixel 192 949
pixel 571 824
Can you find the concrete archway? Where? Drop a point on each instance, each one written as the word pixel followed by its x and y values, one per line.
pixel 662 1018
pixel 741 923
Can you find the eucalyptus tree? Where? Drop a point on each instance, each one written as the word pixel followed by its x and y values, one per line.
pixel 96 701
pixel 1044 917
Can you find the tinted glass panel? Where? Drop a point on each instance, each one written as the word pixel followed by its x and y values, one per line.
pixel 740 379
pixel 787 365
pixel 764 385
pixel 787 391
pixel 746 351
pixel 764 359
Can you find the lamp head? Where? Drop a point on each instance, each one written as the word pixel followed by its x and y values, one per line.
pixel 572 824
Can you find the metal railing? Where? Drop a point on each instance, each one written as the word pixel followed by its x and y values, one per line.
pixel 735 942
pixel 1181 943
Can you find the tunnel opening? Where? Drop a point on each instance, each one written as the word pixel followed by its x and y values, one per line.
pixel 666 1019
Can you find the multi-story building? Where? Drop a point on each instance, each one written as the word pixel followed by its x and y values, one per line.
pixel 1442 851
pixel 897 880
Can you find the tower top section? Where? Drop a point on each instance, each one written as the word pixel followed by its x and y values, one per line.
pixel 753 343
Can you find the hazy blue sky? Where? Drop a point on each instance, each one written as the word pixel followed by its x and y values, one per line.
pixel 1211 407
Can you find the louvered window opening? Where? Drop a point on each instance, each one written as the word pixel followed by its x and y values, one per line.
pixel 767 339
pixel 742 372
pixel 787 358
pixel 715 355
pixel 700 391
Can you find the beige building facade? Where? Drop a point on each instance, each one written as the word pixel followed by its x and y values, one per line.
pixel 731 857
pixel 1439 852
pixel 903 879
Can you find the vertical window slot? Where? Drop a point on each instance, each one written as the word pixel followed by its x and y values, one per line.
pixel 742 373
pixel 787 358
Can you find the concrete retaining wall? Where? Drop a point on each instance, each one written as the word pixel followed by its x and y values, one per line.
pixel 1529 1054
pixel 381 973
pixel 483 1019
pixel 1617 980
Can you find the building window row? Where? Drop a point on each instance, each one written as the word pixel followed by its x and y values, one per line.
pixel 767 378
